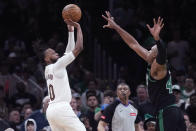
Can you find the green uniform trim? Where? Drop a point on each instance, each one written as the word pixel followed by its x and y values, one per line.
pixel 160 117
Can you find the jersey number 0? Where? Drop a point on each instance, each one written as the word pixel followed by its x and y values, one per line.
pixel 51 90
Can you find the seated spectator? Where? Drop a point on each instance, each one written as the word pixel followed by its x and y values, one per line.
pixel 187 120
pixel 30 125
pixel 84 119
pixel 191 109
pixel 73 104
pixel 177 93
pixel 39 116
pixel 92 86
pixel 109 97
pixel 192 127
pixel 27 113
pixel 188 88
pixel 14 119
pixel 93 108
pixel 150 124
pixel 22 97
pixel 142 95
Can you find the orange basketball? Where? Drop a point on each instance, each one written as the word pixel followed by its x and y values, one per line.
pixel 72 12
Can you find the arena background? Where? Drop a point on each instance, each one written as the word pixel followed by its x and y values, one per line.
pixel 26 26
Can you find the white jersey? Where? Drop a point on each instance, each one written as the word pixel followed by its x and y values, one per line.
pixel 57 79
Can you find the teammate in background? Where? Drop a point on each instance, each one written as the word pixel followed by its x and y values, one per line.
pixel 59 113
pixel 121 115
pixel 170 117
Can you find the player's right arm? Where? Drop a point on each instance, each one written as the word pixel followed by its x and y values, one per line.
pixel 128 38
pixel 79 42
pixel 70 56
pixel 101 126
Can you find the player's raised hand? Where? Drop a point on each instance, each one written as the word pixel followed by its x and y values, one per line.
pixel 71 23
pixel 111 23
pixel 70 28
pixel 156 29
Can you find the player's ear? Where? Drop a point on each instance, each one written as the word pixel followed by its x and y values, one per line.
pixel 46 59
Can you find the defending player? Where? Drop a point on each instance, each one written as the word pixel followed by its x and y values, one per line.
pixel 59 113
pixel 169 116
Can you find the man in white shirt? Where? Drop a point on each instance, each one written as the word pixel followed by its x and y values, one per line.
pixel 60 115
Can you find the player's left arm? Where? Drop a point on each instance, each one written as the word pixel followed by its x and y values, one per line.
pixel 158 68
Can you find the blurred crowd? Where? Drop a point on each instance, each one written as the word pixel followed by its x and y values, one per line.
pixel 26 27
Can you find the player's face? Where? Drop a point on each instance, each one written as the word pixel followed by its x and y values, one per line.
pixel 51 56
pixel 122 91
pixel 152 54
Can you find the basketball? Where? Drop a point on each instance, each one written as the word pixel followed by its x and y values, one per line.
pixel 72 12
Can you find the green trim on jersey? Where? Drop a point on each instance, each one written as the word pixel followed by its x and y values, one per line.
pixel 160 116
pixel 169 85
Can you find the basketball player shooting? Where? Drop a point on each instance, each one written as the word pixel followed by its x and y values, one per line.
pixel 169 116
pixel 60 115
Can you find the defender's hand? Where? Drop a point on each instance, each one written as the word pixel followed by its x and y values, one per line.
pixel 156 29
pixel 111 23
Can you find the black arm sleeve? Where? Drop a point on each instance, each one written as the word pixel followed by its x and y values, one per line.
pixel 161 56
pixel 108 112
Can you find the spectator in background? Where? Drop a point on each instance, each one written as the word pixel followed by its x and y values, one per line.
pixel 27 113
pixel 187 120
pixel 150 124
pixel 14 119
pixel 177 93
pixel 78 100
pixel 109 97
pixel 30 125
pixel 142 101
pixel 188 88
pixel 142 95
pixel 191 109
pixel 39 115
pixel 93 108
pixel 84 119
pixel 92 86
pixel 192 127
pixel 178 51
pixel 22 97
pixel 3 103
pixel 74 106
